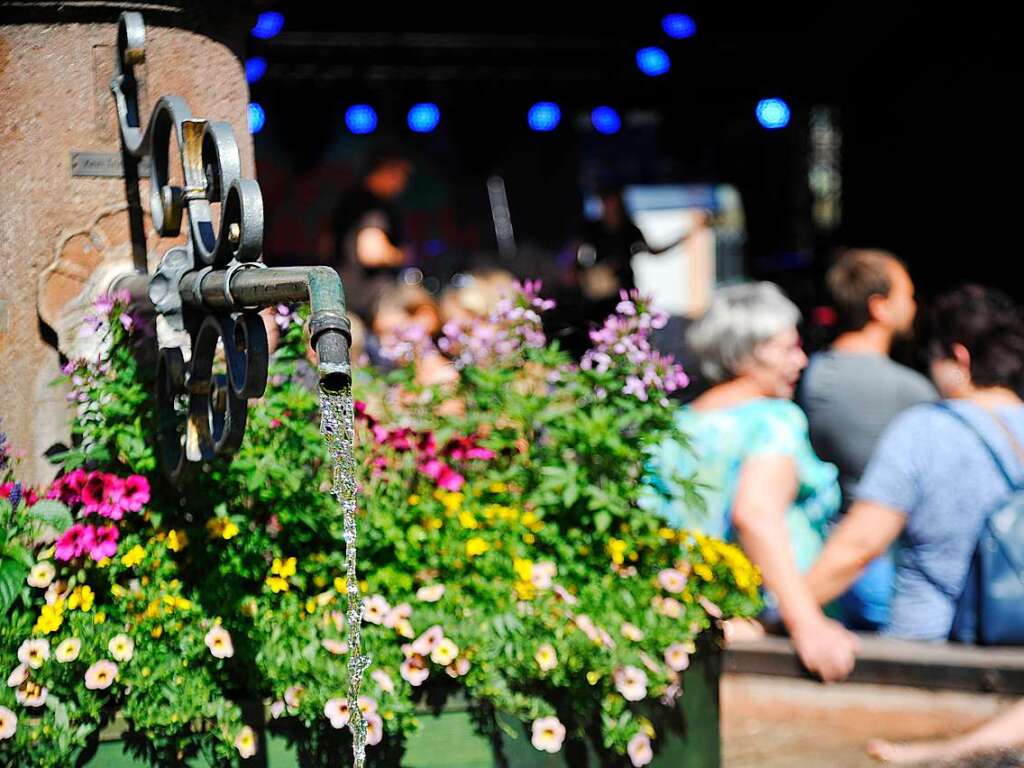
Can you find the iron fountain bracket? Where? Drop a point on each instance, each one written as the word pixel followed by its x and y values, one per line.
pixel 213 286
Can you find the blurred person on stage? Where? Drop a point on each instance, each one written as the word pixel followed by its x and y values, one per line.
pixel 367 234
pixel 750 452
pixel 852 390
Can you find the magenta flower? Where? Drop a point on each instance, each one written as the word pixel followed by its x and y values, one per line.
pixel 75 540
pixel 442 474
pixel 94 492
pixel 136 493
pixel 465 448
pixel 105 543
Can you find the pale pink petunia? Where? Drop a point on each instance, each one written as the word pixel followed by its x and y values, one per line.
pixel 245 742
pixel 711 608
pixel 293 696
pixel 375 609
pixel 458 668
pixel 100 675
pixel 34 653
pixel 383 680
pixel 8 723
pixel 672 580
pixel 676 657
pixel 374 730
pixel 367 706
pixel 337 647
pixel 548 734
pixel 277 709
pixel 639 750
pixel 337 712
pixel 428 641
pixel 587 627
pixel 121 647
pixel 400 613
pixel 414 670
pixel 543 574
pixel 31 694
pixel 631 683
pixel 430 594
pixel 218 640
pixel 445 652
pixel 18 676
pixel 546 657
pixel 631 632
pixel 564 595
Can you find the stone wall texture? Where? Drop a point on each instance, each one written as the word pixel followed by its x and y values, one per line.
pixel 57 233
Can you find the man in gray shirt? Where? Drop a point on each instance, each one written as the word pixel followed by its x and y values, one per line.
pixel 852 391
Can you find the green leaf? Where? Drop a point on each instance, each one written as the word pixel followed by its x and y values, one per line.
pixel 602 520
pixel 12 581
pixel 53 513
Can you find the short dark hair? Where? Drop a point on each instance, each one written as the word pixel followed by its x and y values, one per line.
pixel 988 324
pixel 857 275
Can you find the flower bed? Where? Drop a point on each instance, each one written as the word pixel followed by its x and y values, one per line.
pixel 503 555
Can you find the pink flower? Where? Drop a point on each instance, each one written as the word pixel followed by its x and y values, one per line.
pixel 397 614
pixel 374 730
pixel 105 544
pixel 676 657
pixel 631 683
pixel 136 492
pixel 414 670
pixel 442 474
pixel 458 668
pixel 711 608
pixel 672 580
pixel 94 491
pixel 375 609
pixel 337 712
pixel 428 641
pixel 383 680
pixel 639 750
pixel 543 573
pixel 587 627
pixel 75 540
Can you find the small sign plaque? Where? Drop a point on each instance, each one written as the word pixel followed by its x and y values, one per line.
pixel 103 165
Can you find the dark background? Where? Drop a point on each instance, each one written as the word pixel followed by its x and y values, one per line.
pixel 923 99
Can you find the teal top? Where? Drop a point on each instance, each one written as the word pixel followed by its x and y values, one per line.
pixel 720 441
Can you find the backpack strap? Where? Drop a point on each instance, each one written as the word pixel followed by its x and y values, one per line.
pixel 1013 485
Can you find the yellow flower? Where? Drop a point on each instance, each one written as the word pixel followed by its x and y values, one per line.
pixel 525 590
pixel 666 533
pixel 311 605
pixel 413 500
pixel 103 563
pixel 531 521
pixel 283 568
pixel 497 487
pixel 50 618
pixel 466 520
pixel 523 568
pixel 99 618
pixel 133 556
pixel 82 598
pixel 156 632
pixel 476 546
pixel 176 541
pixel 433 523
pixel 529 538
pixel 277 584
pixel 339 584
pixel 704 572
pixel 617 550
pixel 230 531
pixel 593 677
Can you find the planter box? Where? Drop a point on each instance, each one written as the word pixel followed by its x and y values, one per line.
pixel 688 737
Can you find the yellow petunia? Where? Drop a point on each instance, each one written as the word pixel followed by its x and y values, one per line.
pixel 81 598
pixel 133 556
pixel 466 520
pixel 283 568
pixel 476 546
pixel 413 500
pixel 497 487
pixel 230 531
pixel 704 572
pixel 277 584
pixel 617 550
pixel 50 618
pixel 176 541
pixel 523 568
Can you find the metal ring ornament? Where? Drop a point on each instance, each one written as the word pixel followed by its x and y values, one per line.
pixel 131 50
pixel 172 428
pixel 212 164
pixel 166 202
pixel 216 411
pixel 247 354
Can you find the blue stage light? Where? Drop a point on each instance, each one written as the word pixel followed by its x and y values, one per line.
pixel 653 61
pixel 361 118
pixel 255 69
pixel 423 118
pixel 772 113
pixel 257 117
pixel 544 116
pixel 605 120
pixel 268 24
pixel 679 26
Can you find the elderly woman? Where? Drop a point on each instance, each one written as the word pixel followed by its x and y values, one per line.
pixel 749 448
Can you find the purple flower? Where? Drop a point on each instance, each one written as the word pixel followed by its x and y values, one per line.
pixel 635 387
pixel 127 321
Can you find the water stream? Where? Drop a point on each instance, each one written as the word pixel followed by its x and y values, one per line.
pixel 338 430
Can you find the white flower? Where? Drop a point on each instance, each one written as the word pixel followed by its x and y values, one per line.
pixel 632 632
pixel 414 670
pixel 18 675
pixel 337 712
pixel 34 653
pixel 445 652
pixel 639 750
pixel 121 647
pixel 587 627
pixel 100 675
pixel 425 644
pixel 430 594
pixel 676 657
pixel 30 694
pixel 631 683
pixel 8 723
pixel 667 606
pixel 404 628
pixel 375 609
pixel 672 580
pixel 68 650
pixel 548 734
pixel 374 730
pixel 218 640
pixel 245 743
pixel 277 709
pixel 397 615
pixel 546 657
pixel 41 575
pixel 337 647
pixel 383 679
pixel 293 696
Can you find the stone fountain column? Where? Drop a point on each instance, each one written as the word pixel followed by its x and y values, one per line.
pixel 65 228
